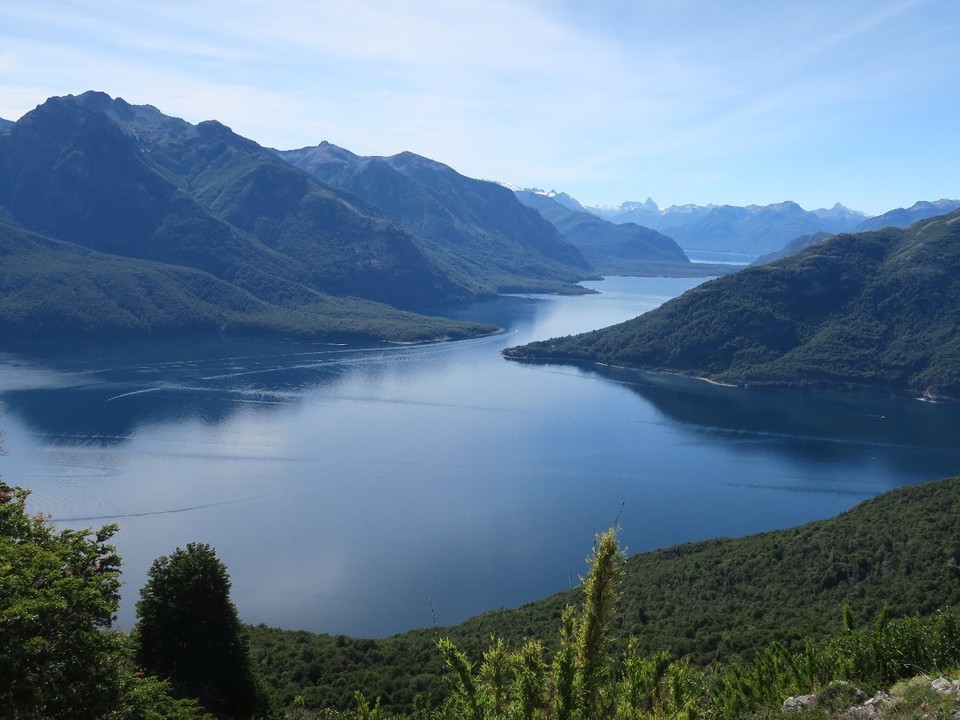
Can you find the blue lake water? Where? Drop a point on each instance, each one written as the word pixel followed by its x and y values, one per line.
pixel 365 490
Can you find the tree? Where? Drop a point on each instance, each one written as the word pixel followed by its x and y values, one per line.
pixel 189 633
pixel 59 591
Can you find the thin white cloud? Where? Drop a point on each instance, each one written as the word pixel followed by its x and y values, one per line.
pixel 604 95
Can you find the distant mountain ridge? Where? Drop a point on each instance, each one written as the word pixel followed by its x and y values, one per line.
pixel 485 238
pixel 753 230
pixel 611 248
pixel 874 311
pixel 904 217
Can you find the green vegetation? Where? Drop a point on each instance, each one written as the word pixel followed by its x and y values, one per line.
pixel 868 598
pixel 874 312
pixel 59 658
pixel 58 592
pixel 586 681
pixel 53 287
pixel 591 677
pixel 189 634
pixel 700 602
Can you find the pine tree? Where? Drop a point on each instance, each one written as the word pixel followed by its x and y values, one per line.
pixel 189 633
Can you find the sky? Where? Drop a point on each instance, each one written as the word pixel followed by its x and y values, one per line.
pixel 686 101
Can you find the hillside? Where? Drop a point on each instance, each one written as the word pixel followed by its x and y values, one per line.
pixel 131 183
pixel 476 230
pixel 54 287
pixel 612 249
pixel 904 217
pixel 869 312
pixel 706 600
pixel 792 247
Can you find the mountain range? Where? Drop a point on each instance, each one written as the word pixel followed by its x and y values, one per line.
pixel 485 239
pixel 751 230
pixel 876 311
pixel 118 218
pixel 611 248
pixel 904 217
pixel 755 229
pixel 109 206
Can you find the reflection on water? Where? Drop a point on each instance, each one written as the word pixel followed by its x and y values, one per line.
pixel 349 488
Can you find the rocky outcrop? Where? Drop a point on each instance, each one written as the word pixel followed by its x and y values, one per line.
pixel 919 697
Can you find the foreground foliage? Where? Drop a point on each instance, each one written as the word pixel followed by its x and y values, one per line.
pixel 58 592
pixel 190 635
pixel 587 679
pixel 716 599
pixel 59 657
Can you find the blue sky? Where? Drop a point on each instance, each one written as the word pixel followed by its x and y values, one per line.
pixel 685 101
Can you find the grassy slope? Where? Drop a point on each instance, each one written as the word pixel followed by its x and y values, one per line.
pixel 875 311
pixel 705 600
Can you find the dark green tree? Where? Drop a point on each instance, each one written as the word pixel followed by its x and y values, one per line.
pixel 59 656
pixel 189 633
pixel 59 590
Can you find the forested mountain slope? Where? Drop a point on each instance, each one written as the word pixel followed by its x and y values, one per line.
pixel 794 246
pixel 52 287
pixel 477 230
pixel 134 184
pixel 876 311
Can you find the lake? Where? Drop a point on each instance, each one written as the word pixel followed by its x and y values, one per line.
pixel 370 490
